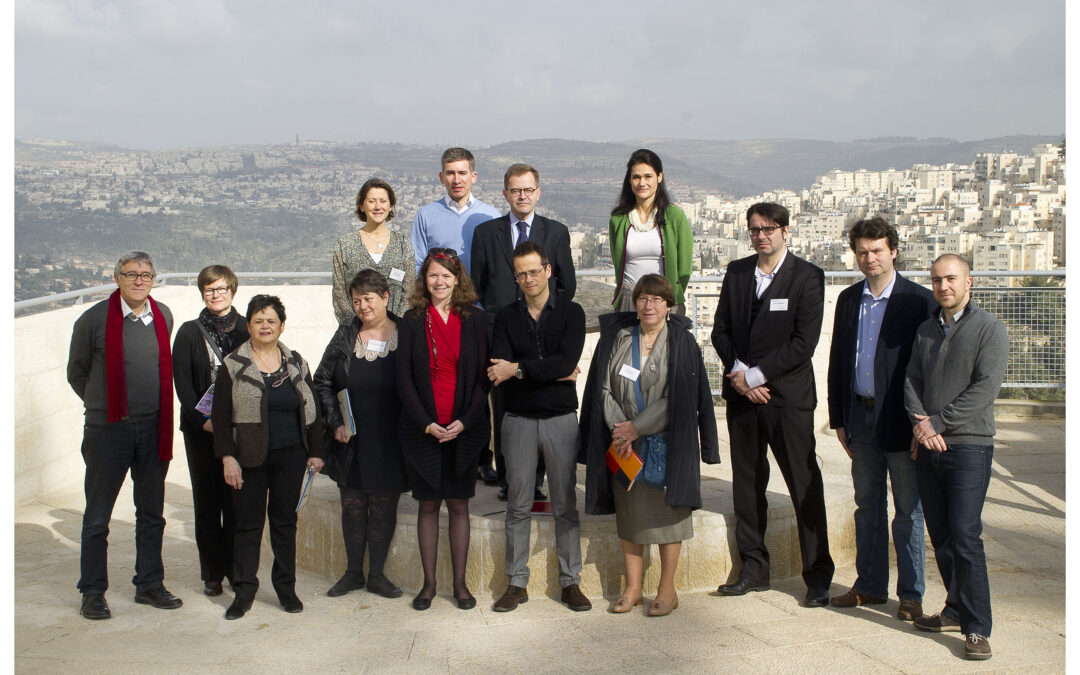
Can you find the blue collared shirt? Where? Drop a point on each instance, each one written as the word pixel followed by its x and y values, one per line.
pixel 871 314
pixel 514 220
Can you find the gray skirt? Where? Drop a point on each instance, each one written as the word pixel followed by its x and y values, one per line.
pixel 642 517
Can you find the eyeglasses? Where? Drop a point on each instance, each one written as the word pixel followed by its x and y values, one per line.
pixel 650 300
pixel 528 192
pixel 767 231
pixel 132 276
pixel 529 274
pixel 211 292
pixel 438 252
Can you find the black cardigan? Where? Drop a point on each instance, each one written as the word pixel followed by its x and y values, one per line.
pixel 690 415
pixel 422 451
pixel 191 371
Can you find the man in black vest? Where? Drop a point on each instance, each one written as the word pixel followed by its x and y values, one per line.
pixel 534 355
pixel 874 327
pixel 767 323
pixel 492 273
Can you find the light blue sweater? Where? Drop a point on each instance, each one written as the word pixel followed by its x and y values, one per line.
pixel 437 225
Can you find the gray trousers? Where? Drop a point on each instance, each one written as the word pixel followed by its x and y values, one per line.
pixel 523 439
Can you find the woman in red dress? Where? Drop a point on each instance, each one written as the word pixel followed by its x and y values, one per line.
pixel 444 425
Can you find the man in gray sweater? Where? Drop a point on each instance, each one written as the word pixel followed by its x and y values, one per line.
pixel 955 372
pixel 120 365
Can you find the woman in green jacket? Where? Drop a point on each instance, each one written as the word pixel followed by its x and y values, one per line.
pixel 648 234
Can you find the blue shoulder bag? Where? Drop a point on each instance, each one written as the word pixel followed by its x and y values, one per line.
pixel 654 446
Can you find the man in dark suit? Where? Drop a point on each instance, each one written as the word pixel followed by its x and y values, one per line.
pixel 492 273
pixel 873 330
pixel 767 323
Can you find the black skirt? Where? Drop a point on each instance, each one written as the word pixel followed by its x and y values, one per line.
pixel 451 485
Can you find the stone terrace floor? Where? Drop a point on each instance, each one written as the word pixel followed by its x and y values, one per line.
pixel 762 632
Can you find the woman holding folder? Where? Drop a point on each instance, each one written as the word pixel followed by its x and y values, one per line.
pixel 356 382
pixel 267 429
pixel 201 345
pixel 650 399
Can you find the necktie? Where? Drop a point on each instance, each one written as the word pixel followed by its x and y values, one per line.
pixel 523 236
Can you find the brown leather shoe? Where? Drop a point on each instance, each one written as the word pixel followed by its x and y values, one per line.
pixel 853 599
pixel 514 596
pixel 657 608
pixel 573 598
pixel 909 610
pixel 624 604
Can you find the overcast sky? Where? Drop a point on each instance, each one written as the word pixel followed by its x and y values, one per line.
pixel 178 73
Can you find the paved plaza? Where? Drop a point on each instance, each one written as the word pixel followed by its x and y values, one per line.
pixel 765 632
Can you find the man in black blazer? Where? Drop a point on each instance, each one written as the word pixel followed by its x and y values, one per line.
pixel 492 273
pixel 873 330
pixel 767 323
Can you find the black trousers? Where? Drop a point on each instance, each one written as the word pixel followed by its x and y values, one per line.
pixel 790 434
pixel 270 492
pixel 214 519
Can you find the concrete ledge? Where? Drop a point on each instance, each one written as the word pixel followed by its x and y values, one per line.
pixel 1024 408
pixel 707 560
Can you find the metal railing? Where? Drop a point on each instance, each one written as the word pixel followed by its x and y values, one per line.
pixel 1034 316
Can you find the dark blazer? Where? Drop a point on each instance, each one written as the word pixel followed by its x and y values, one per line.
pixel 781 342
pixel 421 450
pixel 191 371
pixel 492 266
pixel 909 305
pixel 690 417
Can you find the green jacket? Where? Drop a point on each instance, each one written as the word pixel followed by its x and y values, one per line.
pixel 675 241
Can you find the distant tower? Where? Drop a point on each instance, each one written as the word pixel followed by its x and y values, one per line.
pixel 298 139
pixel 248 159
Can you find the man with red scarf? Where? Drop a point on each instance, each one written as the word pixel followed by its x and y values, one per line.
pixel 120 365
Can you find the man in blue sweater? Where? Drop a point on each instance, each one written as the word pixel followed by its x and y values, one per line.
pixel 957 364
pixel 450 221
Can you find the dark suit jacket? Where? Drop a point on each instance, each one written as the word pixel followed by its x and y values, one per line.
pixel 421 450
pixel 191 371
pixel 909 305
pixel 492 267
pixel 780 341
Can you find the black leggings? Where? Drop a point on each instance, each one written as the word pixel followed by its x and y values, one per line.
pixel 368 519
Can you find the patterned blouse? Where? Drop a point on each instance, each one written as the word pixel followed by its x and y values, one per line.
pixel 351 256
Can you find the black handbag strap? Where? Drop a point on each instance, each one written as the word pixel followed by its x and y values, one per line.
pixel 210 341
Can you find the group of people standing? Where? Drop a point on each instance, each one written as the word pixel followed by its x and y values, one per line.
pixel 468 324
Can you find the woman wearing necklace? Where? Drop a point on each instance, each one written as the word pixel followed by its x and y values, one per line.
pixel 648 234
pixel 442 380
pixel 267 429
pixel 362 359
pixel 373 246
pixel 648 393
pixel 200 346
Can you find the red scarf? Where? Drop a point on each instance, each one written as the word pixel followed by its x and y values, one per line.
pixel 116 379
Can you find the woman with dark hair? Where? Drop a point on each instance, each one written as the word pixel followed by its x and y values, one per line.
pixel 648 393
pixel 201 345
pixel 267 428
pixel 444 424
pixel 648 234
pixel 373 246
pixel 362 359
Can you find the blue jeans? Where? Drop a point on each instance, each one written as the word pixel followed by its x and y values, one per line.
pixel 109 450
pixel 869 465
pixel 952 485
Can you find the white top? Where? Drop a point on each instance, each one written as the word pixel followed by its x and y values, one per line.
pixel 644 255
pixel 377 257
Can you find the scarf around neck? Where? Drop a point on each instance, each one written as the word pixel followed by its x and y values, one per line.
pixel 222 328
pixel 116 378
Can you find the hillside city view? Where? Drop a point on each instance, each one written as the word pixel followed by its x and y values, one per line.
pixel 280 208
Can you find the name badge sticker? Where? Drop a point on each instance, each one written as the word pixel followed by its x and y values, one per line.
pixel 629 372
pixel 778 305
pixel 396 274
pixel 377 346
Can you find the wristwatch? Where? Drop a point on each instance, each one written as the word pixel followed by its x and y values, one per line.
pixel 519 375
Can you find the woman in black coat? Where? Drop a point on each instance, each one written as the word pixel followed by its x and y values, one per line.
pixel 198 350
pixel 676 406
pixel 362 360
pixel 444 425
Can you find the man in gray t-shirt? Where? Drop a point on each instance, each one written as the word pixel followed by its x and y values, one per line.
pixel 120 365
